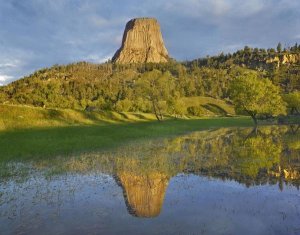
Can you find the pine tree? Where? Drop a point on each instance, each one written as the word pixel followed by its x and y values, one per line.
pixel 279 47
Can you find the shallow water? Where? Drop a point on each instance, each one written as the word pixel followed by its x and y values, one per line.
pixel 223 181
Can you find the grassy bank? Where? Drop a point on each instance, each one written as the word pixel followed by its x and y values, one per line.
pixel 21 117
pixel 211 105
pixel 46 142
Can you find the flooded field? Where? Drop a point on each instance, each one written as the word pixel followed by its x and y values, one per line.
pixel 220 181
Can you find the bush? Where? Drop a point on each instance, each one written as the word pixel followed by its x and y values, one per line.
pixel 196 111
pixel 293 102
pixel 142 105
pixel 124 105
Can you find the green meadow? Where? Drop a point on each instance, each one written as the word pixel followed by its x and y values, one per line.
pixel 37 133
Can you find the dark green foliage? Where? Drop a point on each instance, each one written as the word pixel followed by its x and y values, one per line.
pixel 279 47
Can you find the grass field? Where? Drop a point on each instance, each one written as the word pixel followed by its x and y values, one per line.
pixel 29 132
pixel 47 142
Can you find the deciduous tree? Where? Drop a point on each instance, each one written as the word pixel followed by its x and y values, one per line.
pixel 256 96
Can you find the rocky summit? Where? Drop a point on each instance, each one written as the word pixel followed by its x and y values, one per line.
pixel 142 43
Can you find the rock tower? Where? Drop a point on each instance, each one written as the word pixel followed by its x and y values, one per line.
pixel 143 193
pixel 142 43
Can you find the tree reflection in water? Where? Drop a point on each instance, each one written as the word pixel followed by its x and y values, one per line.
pixel 143 169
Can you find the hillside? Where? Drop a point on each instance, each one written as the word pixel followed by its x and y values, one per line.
pixel 281 65
pixel 21 116
pixel 207 106
pixel 161 88
pixel 109 86
pixel 254 58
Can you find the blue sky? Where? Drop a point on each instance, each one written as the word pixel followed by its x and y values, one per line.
pixel 40 33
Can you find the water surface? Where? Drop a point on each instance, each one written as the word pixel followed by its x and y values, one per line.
pixel 222 181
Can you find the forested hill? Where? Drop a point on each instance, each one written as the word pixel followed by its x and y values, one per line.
pixel 115 87
pixel 254 58
pixel 281 65
pixel 135 87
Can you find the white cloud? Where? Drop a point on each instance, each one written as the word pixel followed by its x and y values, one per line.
pixel 220 7
pixel 248 7
pixel 99 21
pixel 216 8
pixel 5 79
pixel 106 22
pixel 95 58
pixel 9 64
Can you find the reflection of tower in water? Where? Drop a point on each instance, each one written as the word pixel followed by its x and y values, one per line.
pixel 143 193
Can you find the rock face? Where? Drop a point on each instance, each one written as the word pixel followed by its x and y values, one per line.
pixel 143 194
pixel 142 43
pixel 284 59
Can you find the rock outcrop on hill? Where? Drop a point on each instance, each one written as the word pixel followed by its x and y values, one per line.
pixel 142 43
pixel 284 59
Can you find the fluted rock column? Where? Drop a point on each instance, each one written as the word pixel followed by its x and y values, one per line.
pixel 142 43
pixel 144 194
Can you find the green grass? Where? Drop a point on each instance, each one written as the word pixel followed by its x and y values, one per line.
pixel 68 140
pixel 28 132
pixel 21 117
pixel 213 106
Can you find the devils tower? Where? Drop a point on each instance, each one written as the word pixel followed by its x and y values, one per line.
pixel 142 43
pixel 143 193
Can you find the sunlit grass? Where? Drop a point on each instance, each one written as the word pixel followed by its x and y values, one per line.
pixel 20 117
pixel 45 142
pixel 205 102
